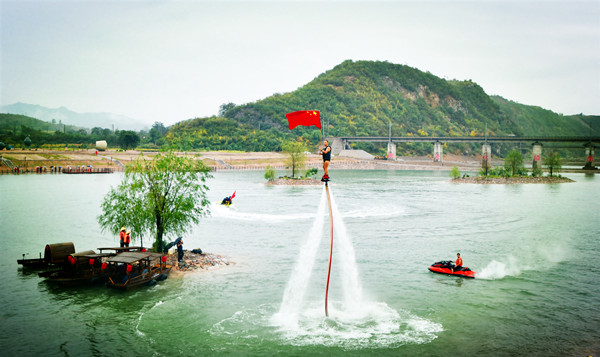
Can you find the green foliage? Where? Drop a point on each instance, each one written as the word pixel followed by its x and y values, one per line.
pixel 157 133
pixel 295 149
pixel 536 172
pixel 311 172
pixel 27 142
pixel 514 162
pixel 128 139
pixel 2 145
pixel 269 173
pixel 498 171
pixel 553 162
pixel 161 196
pixel 455 173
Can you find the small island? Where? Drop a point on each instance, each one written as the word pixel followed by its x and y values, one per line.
pixel 513 172
pixel 512 180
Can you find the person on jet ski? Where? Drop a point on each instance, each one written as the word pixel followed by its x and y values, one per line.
pixel 226 201
pixel 459 263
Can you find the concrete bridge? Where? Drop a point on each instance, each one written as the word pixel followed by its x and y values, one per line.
pixel 588 144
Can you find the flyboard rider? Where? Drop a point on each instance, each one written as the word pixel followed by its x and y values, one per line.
pixel 326 152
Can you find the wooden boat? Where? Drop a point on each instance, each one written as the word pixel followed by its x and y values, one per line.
pixel 34 263
pixel 80 269
pixel 54 254
pixel 134 269
pixel 86 267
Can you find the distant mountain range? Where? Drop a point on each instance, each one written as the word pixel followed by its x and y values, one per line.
pixel 65 116
pixel 372 98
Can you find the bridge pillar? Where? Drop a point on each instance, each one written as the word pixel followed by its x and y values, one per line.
pixel 486 156
pixel 438 152
pixel 589 152
pixel 536 152
pixel 391 150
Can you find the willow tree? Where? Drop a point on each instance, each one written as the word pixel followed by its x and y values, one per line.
pixel 157 197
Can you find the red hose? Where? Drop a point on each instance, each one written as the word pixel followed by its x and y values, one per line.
pixel 330 248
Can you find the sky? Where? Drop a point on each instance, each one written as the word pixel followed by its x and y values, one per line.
pixel 168 61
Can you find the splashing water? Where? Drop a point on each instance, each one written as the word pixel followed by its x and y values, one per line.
pixel 499 270
pixel 353 323
pixel 298 283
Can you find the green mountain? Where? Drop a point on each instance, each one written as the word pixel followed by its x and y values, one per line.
pixel 362 98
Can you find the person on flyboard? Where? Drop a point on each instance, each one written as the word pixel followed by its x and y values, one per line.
pixel 326 152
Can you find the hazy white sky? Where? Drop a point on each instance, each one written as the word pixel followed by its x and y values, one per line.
pixel 168 61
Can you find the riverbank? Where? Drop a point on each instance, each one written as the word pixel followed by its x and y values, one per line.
pixel 28 160
pixel 116 160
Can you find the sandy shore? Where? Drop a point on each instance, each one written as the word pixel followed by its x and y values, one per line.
pixel 28 160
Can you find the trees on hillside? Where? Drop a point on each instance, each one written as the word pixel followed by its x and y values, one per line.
pixel 158 196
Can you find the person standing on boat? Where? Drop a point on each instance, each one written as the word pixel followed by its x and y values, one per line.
pixel 122 236
pixel 459 263
pixel 326 152
pixel 180 250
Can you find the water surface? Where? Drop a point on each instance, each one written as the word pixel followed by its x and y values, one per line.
pixel 533 245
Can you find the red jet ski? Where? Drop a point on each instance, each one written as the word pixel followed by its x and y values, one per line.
pixel 446 266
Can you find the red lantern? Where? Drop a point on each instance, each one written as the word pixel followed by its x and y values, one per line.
pixel 104 266
pixel 72 260
pixel 129 267
pixel 92 262
pixel 164 258
pixel 143 249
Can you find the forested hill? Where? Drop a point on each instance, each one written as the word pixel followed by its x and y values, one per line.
pixel 362 98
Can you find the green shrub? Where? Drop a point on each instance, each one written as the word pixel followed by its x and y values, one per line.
pixel 454 173
pixel 311 172
pixel 269 173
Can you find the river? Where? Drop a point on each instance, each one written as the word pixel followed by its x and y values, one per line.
pixel 535 248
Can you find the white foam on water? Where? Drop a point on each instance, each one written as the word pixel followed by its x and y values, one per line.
pixel 295 290
pixel 232 213
pixel 498 270
pixel 354 322
pixel 373 325
pixel 137 326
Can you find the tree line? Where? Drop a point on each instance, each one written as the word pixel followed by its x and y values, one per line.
pixel 18 131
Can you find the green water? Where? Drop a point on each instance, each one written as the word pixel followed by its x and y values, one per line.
pixel 536 247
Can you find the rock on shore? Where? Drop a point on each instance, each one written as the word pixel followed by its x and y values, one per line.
pixel 193 262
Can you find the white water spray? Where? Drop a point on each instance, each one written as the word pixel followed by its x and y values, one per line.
pixel 346 260
pixel 353 322
pixel 295 290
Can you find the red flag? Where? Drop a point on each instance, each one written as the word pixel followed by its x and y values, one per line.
pixel 304 117
pixel 232 196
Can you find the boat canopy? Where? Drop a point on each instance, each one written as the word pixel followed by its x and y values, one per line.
pixel 132 257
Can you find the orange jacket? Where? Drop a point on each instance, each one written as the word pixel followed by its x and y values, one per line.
pixel 122 235
pixel 459 262
pixel 127 238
